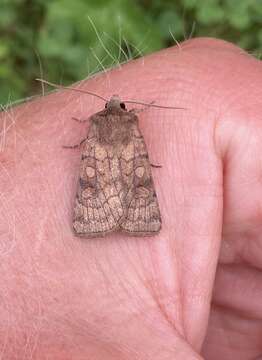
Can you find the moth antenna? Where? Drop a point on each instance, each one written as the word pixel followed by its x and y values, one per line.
pixel 153 105
pixel 104 99
pixel 71 88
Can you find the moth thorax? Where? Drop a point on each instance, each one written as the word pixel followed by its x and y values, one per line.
pixel 113 131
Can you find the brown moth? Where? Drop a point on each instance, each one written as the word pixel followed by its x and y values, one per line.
pixel 115 190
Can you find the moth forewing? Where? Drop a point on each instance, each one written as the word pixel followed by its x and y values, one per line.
pixel 115 189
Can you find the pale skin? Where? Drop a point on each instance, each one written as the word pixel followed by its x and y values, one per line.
pixel 192 292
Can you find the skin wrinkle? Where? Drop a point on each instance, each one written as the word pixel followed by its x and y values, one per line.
pixel 242 310
pixel 164 307
pixel 138 311
pixel 237 326
pixel 152 289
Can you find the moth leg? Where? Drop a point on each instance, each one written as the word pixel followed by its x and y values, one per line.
pixel 76 146
pixel 80 120
pixel 137 111
pixel 156 166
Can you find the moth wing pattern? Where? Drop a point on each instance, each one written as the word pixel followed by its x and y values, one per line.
pixel 98 208
pixel 142 209
pixel 115 189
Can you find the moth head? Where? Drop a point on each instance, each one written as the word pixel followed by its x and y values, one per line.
pixel 115 103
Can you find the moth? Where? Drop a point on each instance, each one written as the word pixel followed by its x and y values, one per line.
pixel 115 189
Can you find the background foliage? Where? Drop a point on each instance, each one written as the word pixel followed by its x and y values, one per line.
pixel 70 40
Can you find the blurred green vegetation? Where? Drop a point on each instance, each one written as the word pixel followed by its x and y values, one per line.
pixel 65 40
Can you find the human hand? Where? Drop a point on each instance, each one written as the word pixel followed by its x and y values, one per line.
pixel 139 298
